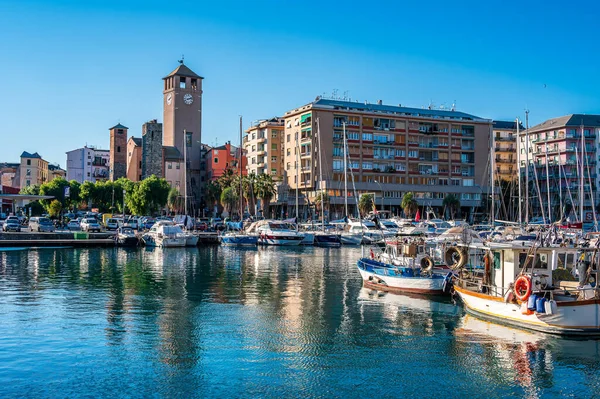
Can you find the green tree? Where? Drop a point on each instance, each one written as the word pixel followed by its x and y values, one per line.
pixel 409 205
pixel 148 196
pixel 321 195
pixel 227 178
pixel 87 192
pixel 229 199
pixel 54 208
pixel 174 200
pixel 213 193
pixel 56 188
pixel 452 203
pixel 365 204
pixel 30 190
pixel 265 190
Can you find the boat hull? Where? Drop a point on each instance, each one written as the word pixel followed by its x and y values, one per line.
pixel 351 239
pixel 384 277
pixel 327 240
pixel 239 241
pixel 576 318
pixel 127 241
pixel 191 240
pixel 164 242
pixel 282 240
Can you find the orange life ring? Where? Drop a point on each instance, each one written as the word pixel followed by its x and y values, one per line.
pixel 523 288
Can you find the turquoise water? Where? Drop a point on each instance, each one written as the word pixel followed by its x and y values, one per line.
pixel 270 322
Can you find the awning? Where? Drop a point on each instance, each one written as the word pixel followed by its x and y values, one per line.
pixel 305 117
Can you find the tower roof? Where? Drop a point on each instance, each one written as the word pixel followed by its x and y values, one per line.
pixel 183 70
pixel 118 126
pixel 26 154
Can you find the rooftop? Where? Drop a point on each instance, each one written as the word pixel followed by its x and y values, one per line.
pixel 574 120
pixel 136 140
pixel 26 154
pixel 507 125
pixel 118 126
pixel 172 153
pixel 183 70
pixel 389 109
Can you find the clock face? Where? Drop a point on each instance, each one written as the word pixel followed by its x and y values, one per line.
pixel 188 99
pixel 169 98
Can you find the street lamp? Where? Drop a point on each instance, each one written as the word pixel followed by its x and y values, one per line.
pixel 382 196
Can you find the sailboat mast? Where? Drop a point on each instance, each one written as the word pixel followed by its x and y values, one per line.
pixel 519 169
pixel 581 176
pixel 345 171
pixel 492 165
pixel 321 179
pixel 526 166
pixel 297 152
pixel 184 172
pixel 548 184
pixel 240 164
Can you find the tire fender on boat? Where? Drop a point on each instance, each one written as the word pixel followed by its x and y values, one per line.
pixel 455 257
pixel 426 264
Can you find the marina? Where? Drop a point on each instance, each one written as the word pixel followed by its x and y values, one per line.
pixel 216 320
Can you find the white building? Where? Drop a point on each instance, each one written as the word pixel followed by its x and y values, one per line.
pixel 88 164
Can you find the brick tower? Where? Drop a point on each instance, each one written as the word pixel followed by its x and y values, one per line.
pixel 118 152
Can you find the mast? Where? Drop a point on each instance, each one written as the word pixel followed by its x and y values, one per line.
pixel 345 171
pixel 297 152
pixel 526 166
pixel 240 164
pixel 321 179
pixel 548 182
pixel 492 165
pixel 185 172
pixel 519 169
pixel 581 176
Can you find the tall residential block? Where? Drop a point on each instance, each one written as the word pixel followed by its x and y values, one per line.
pixel 118 153
pixel 182 111
pixel 505 150
pixel 152 153
pixel 391 150
pixel 263 144
pixel 560 155
pixel 88 164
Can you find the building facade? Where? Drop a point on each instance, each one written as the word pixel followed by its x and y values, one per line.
pixel 56 172
pixel 33 170
pixel 152 153
pixel 391 150
pixel 221 158
pixel 118 154
pixel 558 160
pixel 505 150
pixel 8 174
pixel 88 164
pixel 182 111
pixel 174 168
pixel 134 159
pixel 263 146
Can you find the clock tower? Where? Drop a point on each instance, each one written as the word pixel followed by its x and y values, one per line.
pixel 182 111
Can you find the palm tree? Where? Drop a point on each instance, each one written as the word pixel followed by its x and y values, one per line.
pixel 229 199
pixel 409 205
pixel 318 200
pixel 174 200
pixel 452 203
pixel 213 192
pixel 365 204
pixel 265 190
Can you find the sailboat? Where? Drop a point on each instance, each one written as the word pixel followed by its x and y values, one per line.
pixel 191 240
pixel 235 236
pixel 322 238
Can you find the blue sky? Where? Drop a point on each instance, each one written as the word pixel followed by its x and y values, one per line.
pixel 72 69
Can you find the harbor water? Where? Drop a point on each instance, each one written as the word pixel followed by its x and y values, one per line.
pixel 266 322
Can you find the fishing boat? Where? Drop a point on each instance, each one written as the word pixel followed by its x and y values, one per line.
pixel 531 287
pixel 401 268
pixel 126 237
pixel 164 234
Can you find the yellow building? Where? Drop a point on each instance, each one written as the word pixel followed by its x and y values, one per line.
pixel 263 145
pixel 505 150
pixel 33 170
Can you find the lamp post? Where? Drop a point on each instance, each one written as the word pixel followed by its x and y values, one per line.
pixel 382 196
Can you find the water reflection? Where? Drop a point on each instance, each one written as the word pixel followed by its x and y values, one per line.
pixel 225 321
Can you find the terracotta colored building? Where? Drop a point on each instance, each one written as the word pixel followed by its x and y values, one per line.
pixel 134 159
pixel 219 159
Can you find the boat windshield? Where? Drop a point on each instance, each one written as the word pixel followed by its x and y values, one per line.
pixel 280 226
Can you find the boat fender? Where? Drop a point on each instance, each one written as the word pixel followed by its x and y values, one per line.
pixel 455 258
pixel 524 309
pixel 531 302
pixel 426 264
pixel 523 288
pixel 447 286
pixel 550 307
pixel 371 253
pixel 540 305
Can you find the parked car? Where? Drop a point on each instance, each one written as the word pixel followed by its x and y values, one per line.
pixel 201 224
pixel 74 225
pixel 90 224
pixel 11 225
pixel 131 223
pixel 112 224
pixel 41 224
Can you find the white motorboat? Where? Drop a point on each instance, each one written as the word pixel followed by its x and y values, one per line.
pixel 164 234
pixel 273 232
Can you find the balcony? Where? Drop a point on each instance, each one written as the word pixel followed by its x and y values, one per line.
pixel 506 139
pixel 305 154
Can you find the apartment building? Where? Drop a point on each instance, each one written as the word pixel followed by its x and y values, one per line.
pixel 554 154
pixel 505 149
pixel 221 158
pixel 263 144
pixel 391 150
pixel 9 176
pixel 33 170
pixel 56 172
pixel 88 164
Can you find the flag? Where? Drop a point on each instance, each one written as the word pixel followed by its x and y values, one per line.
pixel 374 207
pixel 418 216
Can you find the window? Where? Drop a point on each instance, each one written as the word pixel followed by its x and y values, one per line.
pixel 468 182
pixel 413 154
pixel 253 148
pixel 182 82
pixel 118 148
pixel 28 173
pixel 273 159
pixel 177 165
pixel 400 153
pixel 337 165
pixel 169 165
pixel 289 152
pixel 216 160
pixel 273 134
pixel 194 83
pixel 273 171
pixel 367 165
pixel 140 165
pixel 337 151
pixel 28 182
pixel 367 137
pixel 352 135
pixel 29 162
pixel 455 182
pixel 288 138
pixel 274 147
